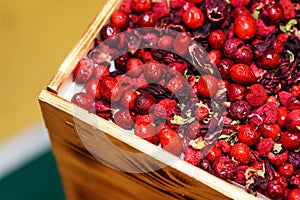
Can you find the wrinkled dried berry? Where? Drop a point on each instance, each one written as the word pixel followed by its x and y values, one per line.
pixel 224 167
pixel 143 103
pixel 239 110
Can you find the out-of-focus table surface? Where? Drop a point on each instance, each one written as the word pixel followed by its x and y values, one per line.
pixel 35 37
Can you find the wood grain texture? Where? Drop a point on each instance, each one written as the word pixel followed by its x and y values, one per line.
pixel 77 142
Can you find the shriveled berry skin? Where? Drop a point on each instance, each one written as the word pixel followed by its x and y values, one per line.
pixel 244 26
pixel 293 103
pixel 257 95
pixel 217 39
pixel 275 189
pixel 236 92
pixel 241 153
pixel 278 159
pixel 153 72
pixel 170 140
pixel 270 130
pixel 224 66
pixel 294 159
pixel 193 18
pixel 207 86
pixel 292 121
pixel 282 113
pixel 143 103
pixel 214 56
pixel 83 71
pixel 290 140
pixel 110 89
pixel 83 100
pixel 120 19
pixel 176 84
pixel 224 167
pixel 286 170
pixel 144 119
pixel 165 42
pixel 147 19
pixel 101 72
pixel 272 13
pixel 242 74
pixel 213 154
pixel 103 109
pixel 248 134
pixel 294 194
pixel 239 110
pixel 231 46
pixel 265 146
pixel 269 60
pixel 128 98
pixel 134 67
pixel 93 88
pixel 244 55
pixel 181 44
pixel 192 156
pixel 141 5
pixel 147 132
pixel 124 119
pixel 201 113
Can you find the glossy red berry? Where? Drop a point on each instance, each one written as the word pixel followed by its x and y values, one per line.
pixel 147 132
pixel 270 130
pixel 124 119
pixel 214 56
pixel 128 98
pixel 196 1
pixel 286 170
pixel 193 18
pixel 269 60
pixel 110 89
pixel 134 67
pixel 236 92
pixel 213 154
pixel 241 153
pixel 141 5
pixel 282 113
pixel 120 19
pixel 201 113
pixel 217 39
pixel 295 90
pixel 245 26
pixel 293 103
pixel 110 31
pixel 143 103
pixel 239 110
pixel 239 3
pixel 83 100
pixel 292 121
pixel 207 86
pixel 290 140
pixel 224 66
pixel 170 140
pixel 83 71
pixel 275 189
pixel 272 13
pixel 147 19
pixel 294 194
pixel 93 88
pixel 144 119
pixel 231 46
pixel 248 134
pixel 242 74
pixel 244 55
pixel 240 10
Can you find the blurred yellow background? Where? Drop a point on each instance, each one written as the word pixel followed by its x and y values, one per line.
pixel 35 37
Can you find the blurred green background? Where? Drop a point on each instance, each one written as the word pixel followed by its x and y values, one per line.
pixel 35 37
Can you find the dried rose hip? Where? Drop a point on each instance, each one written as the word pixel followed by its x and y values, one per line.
pixel 224 167
pixel 290 140
pixel 248 134
pixel 275 189
pixel 120 19
pixel 231 46
pixel 181 44
pixel 269 60
pixel 272 13
pixel 143 103
pixel 103 109
pixel 110 31
pixel 278 159
pixel 214 56
pixel 141 5
pixel 257 95
pixel 165 42
pixel 239 3
pixel 236 92
pixel 217 39
pixel 286 170
pixel 270 130
pixel 294 194
pixel 244 55
pixel 292 121
pixel 193 18
pixel 83 71
pixel 293 103
pixel 213 154
pixel 282 113
pixel 242 74
pixel 93 88
pixel 124 119
pixel 83 100
pixel 147 132
pixel 241 153
pixel 147 19
pixel 207 86
pixel 170 140
pixel 244 26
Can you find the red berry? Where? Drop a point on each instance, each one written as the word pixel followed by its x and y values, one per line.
pixel 194 130
pixel 231 46
pixel 265 146
pixel 93 88
pixel 134 67
pixel 257 95
pixel 292 121
pixel 101 72
pixel 239 110
pixel 272 13
pixel 181 44
pixel 201 113
pixel 244 55
pixel 241 153
pixel 242 74
pixel 147 132
pixel 143 103
pixel 290 140
pixel 240 10
pixel 224 167
pixel 170 140
pixel 165 42
pixel 270 130
pixel 224 145
pixel 120 19
pixel 153 72
pixel 144 119
pixel 224 66
pixel 124 119
pixel 207 86
pixel 239 3
pixel 278 46
pixel 248 134
pixel 296 90
pixel 236 92
pixel 83 100
pixel 244 26
pixel 282 113
pixel 217 39
pixel 110 89
pixel 293 103
pixel 278 159
pixel 192 156
pixel 83 71
pixel 286 170
pixel 175 4
pixel 294 194
pixel 193 18
pixel 196 1
pixel 269 60
pixel 176 83
pixel 275 189
pixel 213 154
pixel 141 5
pixel 103 109
pixel 128 98
pixel 110 31
pixel 147 19
pixel 214 56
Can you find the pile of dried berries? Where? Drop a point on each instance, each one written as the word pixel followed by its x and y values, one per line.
pixel 234 111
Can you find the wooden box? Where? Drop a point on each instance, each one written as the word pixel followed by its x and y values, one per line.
pixel 87 173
